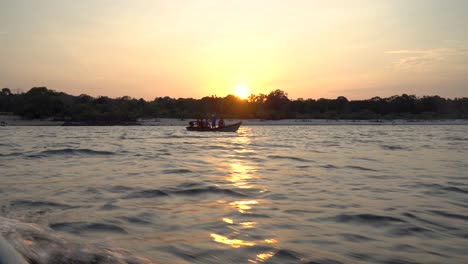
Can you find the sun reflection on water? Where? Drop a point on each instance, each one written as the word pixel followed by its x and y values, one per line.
pixel 248 224
pixel 235 243
pixel 243 206
pixel 227 220
pixel 271 241
pixel 241 175
pixel 264 256
pixel 242 140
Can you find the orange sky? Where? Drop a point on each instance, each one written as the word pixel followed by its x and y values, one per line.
pixel 195 48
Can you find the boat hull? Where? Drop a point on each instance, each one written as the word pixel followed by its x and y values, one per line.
pixel 229 128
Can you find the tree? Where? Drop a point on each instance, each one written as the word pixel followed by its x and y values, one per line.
pixel 40 102
pixel 342 104
pixel 277 103
pixel 6 92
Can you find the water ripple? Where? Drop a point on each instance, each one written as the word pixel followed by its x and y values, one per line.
pixel 370 219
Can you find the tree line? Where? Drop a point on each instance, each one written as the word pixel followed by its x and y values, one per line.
pixel 40 102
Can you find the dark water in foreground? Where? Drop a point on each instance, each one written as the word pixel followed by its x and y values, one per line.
pixel 310 194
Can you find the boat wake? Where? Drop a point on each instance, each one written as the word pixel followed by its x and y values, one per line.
pixel 22 243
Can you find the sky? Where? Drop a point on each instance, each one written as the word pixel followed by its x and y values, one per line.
pixel 195 48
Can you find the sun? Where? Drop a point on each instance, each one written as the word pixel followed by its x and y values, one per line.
pixel 242 91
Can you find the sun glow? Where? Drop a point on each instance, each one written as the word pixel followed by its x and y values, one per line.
pixel 242 91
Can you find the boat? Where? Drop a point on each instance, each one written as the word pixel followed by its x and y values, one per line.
pixel 229 128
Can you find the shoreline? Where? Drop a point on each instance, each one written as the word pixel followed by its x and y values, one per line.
pixel 18 121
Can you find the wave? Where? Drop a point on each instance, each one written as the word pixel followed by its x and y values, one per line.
pixel 109 207
pixel 456 138
pixel 45 246
pixel 118 189
pixel 36 204
pixel 290 256
pixel 393 147
pixel 187 185
pixel 176 171
pixel 81 227
pixel 439 188
pixel 71 152
pixel 359 168
pixel 432 223
pixel 365 158
pixel 284 254
pixel 209 190
pixel 409 231
pixel 371 219
pixel 455 189
pixel 330 166
pixel 154 193
pixel 356 238
pixel 135 220
pixel 450 215
pixel 271 255
pixel 289 158
pixel 68 151
pixel 146 194
pixel 182 189
pixel 302 211
pixel 12 154
pixel 216 147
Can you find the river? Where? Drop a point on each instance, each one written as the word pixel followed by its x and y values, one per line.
pixel 266 194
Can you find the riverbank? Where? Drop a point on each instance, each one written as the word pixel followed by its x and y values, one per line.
pixel 18 121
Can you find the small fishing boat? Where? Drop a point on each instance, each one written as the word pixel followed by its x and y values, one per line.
pixel 229 128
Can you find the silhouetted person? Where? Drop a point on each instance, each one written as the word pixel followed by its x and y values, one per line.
pixel 221 123
pixel 213 120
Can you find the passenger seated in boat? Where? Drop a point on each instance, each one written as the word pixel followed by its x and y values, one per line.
pixel 206 124
pixel 221 122
pixel 191 123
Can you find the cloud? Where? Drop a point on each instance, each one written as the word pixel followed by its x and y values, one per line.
pixel 424 58
pixel 410 51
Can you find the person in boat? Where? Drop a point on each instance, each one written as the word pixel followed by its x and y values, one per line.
pixel 221 123
pixel 206 123
pixel 213 120
pixel 191 123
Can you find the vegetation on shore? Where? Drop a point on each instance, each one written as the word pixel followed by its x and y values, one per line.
pixel 40 102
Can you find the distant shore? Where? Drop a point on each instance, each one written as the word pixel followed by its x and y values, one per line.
pixel 18 121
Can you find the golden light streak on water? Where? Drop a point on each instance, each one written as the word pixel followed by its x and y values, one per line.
pixel 241 175
pixel 271 241
pixel 243 206
pixel 248 224
pixel 264 256
pixel 242 140
pixel 235 243
pixel 227 220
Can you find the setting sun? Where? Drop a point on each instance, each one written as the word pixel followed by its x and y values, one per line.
pixel 242 91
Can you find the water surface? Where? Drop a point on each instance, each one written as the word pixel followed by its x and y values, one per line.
pixel 267 194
